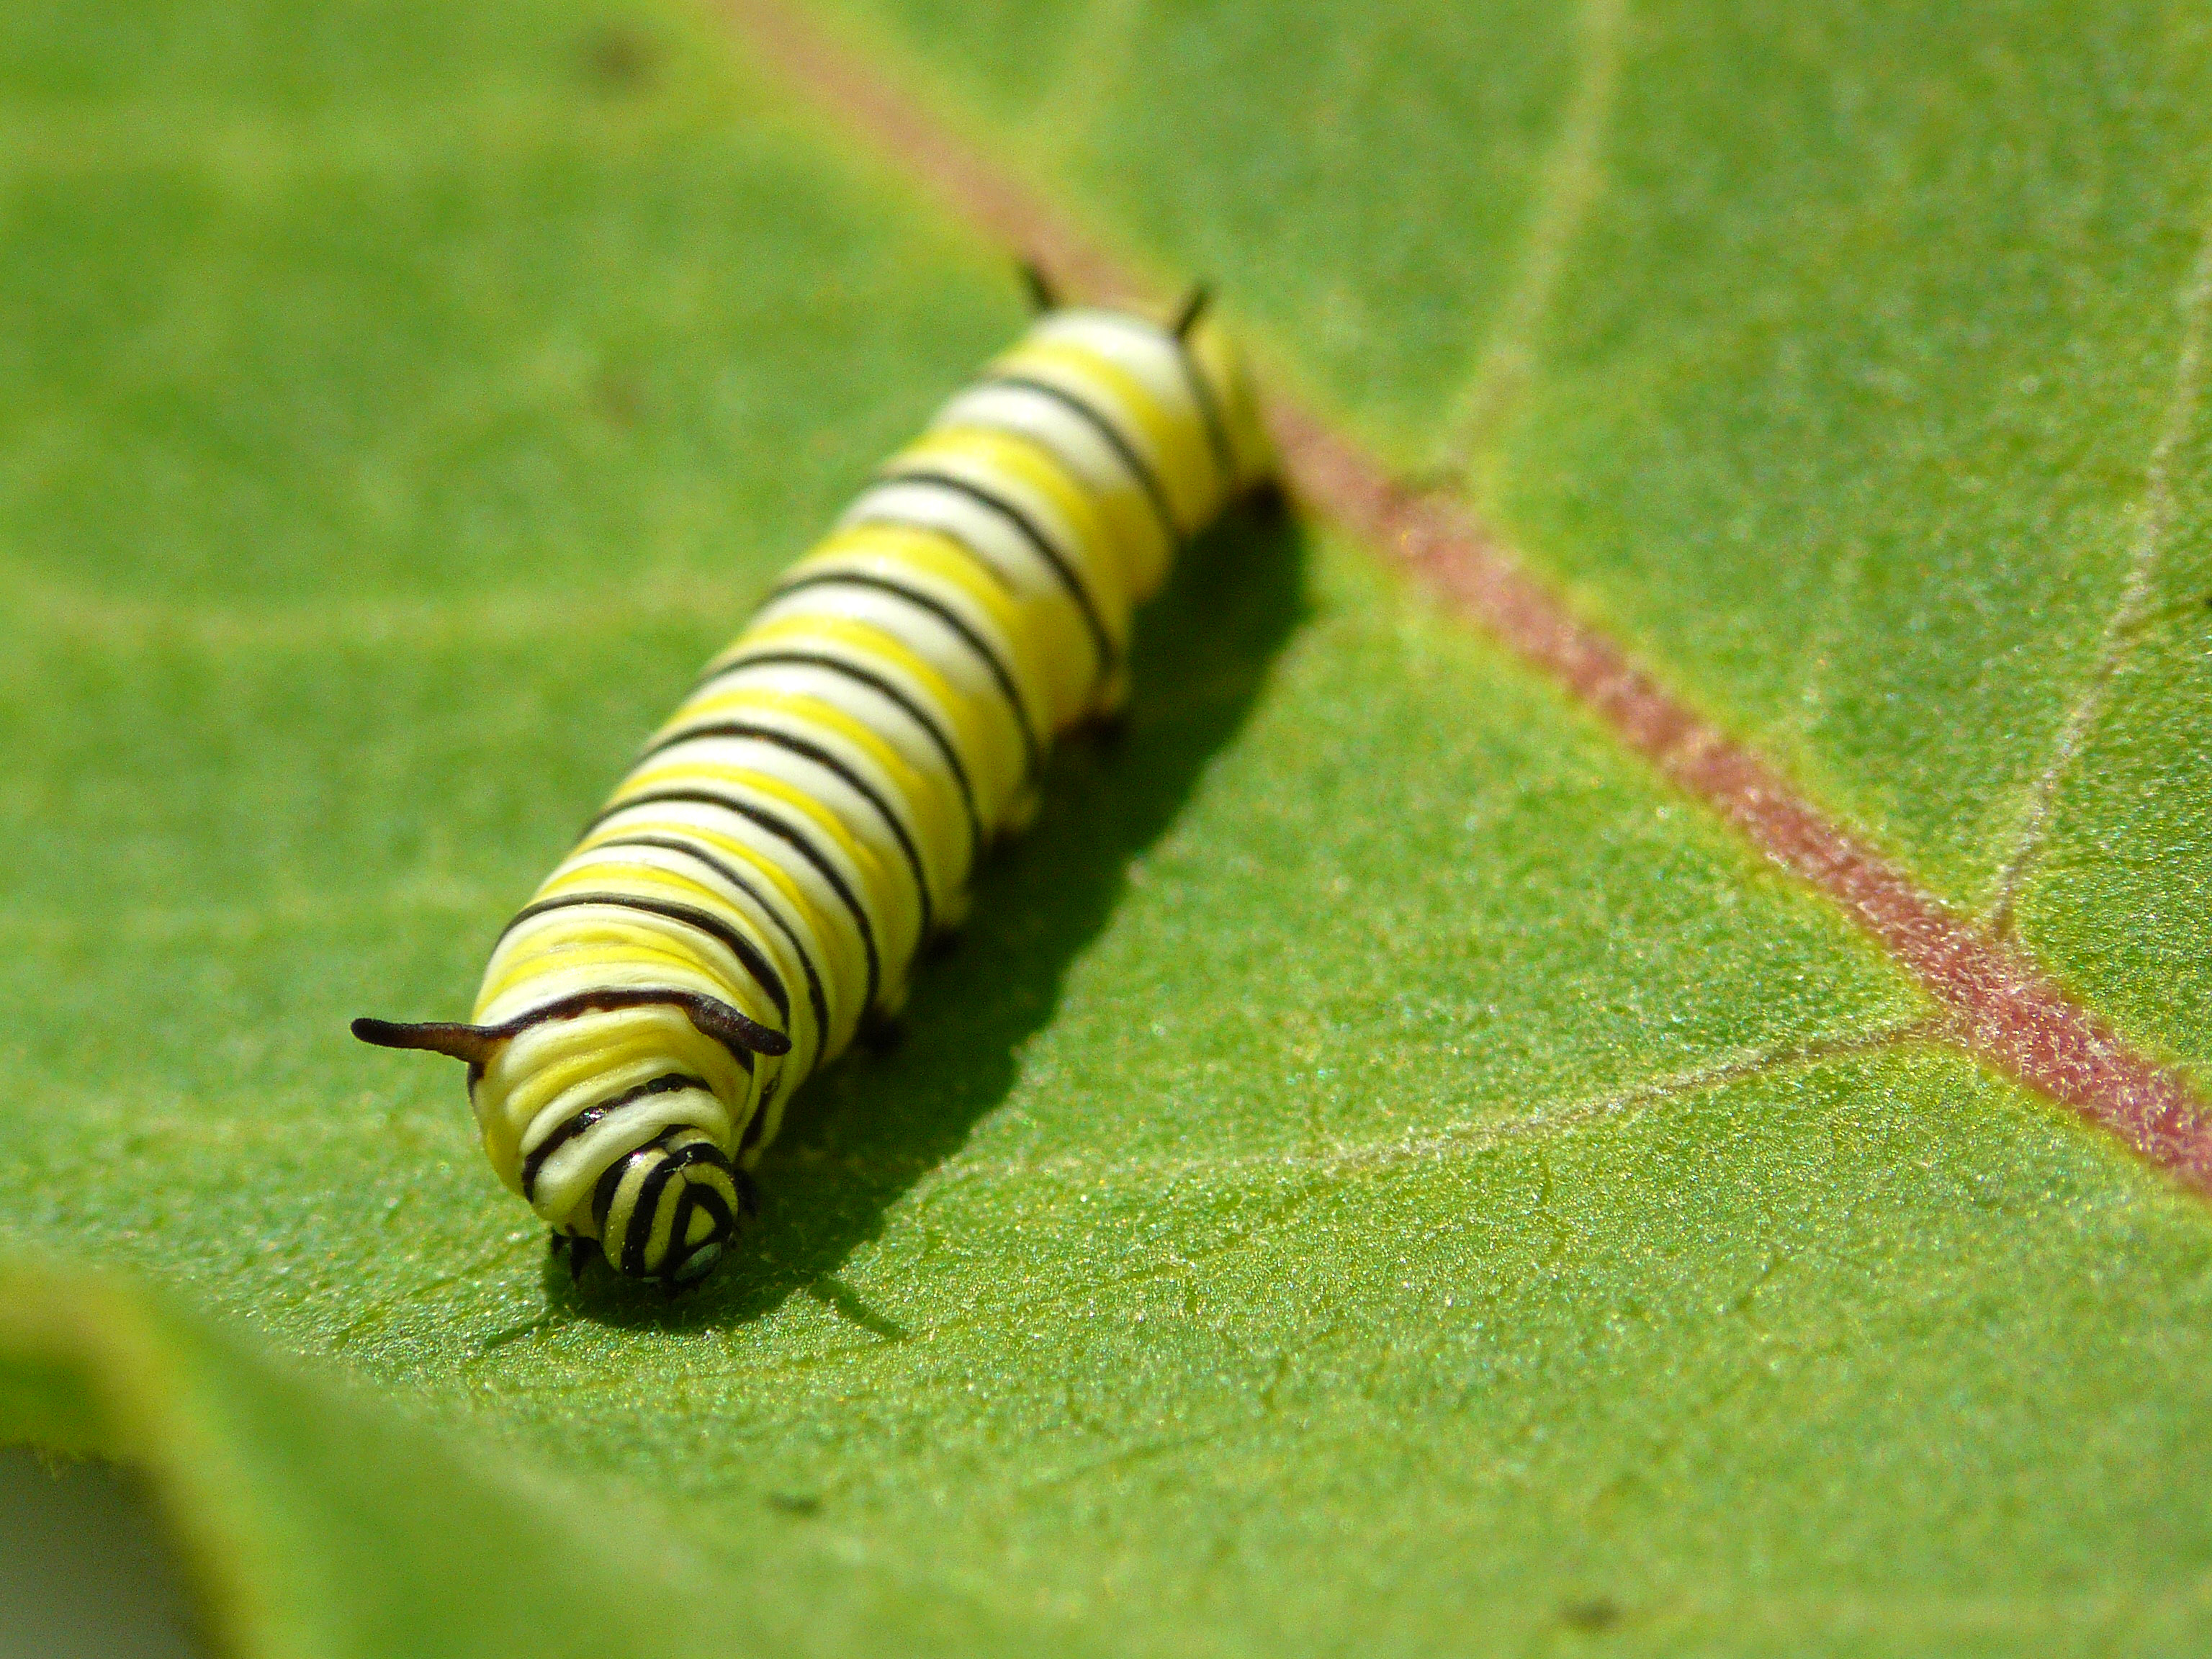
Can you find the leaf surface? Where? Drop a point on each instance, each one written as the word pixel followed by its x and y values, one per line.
pixel 1381 1168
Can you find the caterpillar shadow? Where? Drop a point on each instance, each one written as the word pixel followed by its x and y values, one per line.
pixel 862 1134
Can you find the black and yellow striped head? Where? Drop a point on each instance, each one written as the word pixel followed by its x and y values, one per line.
pixel 668 1209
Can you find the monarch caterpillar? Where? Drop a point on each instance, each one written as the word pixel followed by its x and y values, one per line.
pixel 759 886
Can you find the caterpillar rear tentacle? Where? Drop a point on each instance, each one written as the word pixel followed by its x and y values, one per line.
pixel 751 900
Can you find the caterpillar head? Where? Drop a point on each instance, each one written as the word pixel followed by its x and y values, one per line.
pixel 668 1209
pixel 605 1110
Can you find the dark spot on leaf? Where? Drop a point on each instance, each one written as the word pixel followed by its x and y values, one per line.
pixel 616 59
pixel 1599 1612
pixel 618 396
pixel 794 1502
pixel 1441 480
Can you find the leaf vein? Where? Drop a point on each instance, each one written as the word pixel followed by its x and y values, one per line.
pixel 2124 627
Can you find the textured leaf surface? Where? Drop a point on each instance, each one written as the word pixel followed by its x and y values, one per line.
pixel 1381 1169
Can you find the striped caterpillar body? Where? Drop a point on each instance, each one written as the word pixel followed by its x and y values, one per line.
pixel 758 887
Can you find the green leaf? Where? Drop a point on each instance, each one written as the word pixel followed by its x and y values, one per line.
pixel 286 1495
pixel 1382 1169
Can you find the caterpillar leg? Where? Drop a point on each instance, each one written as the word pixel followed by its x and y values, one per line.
pixel 1108 728
pixel 1267 501
pixel 576 1252
pixel 881 1034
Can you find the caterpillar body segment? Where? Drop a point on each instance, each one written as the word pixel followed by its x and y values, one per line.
pixel 757 889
